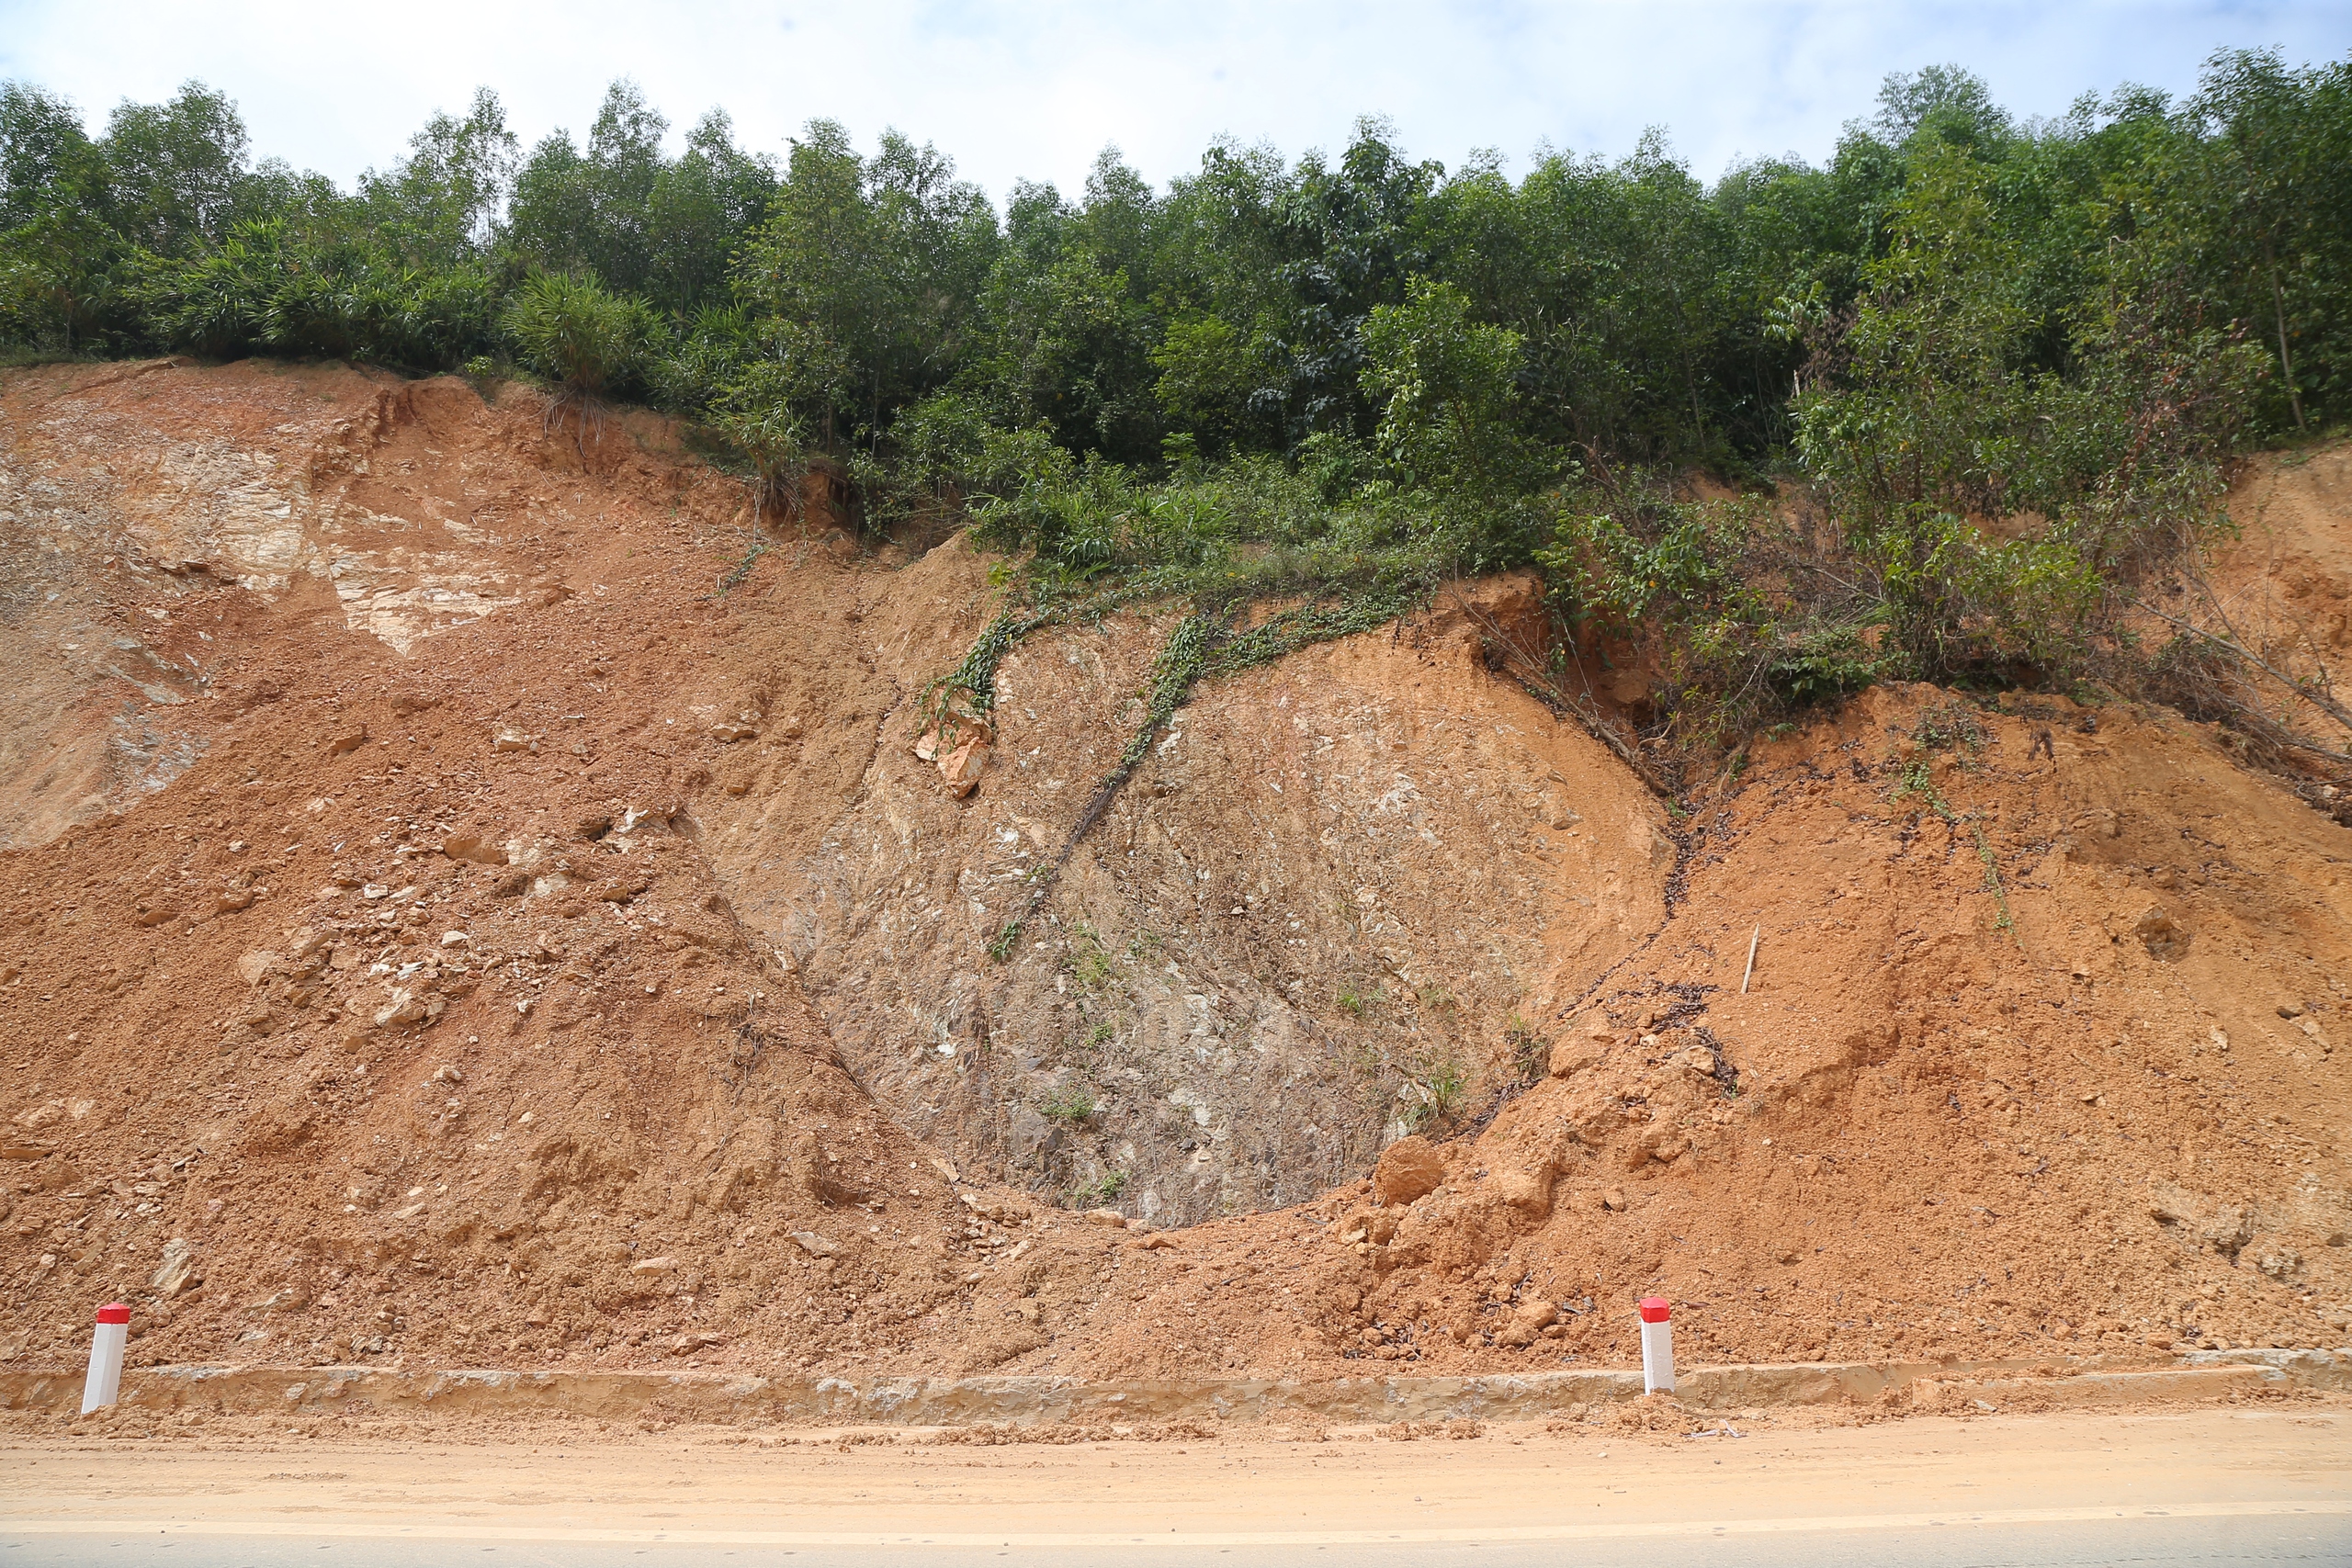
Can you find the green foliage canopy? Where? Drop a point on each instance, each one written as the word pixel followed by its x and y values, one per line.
pixel 2005 361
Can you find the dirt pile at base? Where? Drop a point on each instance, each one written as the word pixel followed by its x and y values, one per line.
pixel 444 925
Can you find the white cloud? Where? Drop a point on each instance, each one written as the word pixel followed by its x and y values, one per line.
pixel 1036 90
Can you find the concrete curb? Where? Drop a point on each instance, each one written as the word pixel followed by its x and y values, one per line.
pixel 2304 1369
pixel 2093 1390
pixel 938 1402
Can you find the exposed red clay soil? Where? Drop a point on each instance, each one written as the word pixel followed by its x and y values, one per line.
pixel 443 927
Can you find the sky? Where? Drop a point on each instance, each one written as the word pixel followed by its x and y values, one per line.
pixel 1035 91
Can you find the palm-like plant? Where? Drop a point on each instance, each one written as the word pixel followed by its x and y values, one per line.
pixel 586 339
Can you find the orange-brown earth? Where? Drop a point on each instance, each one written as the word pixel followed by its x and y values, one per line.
pixel 458 909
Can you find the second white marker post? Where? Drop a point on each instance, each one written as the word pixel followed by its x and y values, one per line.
pixel 1658 1346
pixel 104 1384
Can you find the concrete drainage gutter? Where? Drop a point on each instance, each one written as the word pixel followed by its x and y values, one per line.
pixel 928 1401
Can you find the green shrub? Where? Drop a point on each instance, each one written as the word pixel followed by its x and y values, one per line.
pixel 589 341
pixel 1072 1105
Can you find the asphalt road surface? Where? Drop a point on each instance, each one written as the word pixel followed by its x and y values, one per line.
pixel 2137 1540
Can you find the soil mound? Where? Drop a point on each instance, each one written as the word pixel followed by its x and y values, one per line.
pixel 473 899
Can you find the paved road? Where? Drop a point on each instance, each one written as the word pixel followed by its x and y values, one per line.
pixel 2143 1540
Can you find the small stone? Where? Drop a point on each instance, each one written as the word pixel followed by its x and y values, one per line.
pixel 1530 1191
pixel 448 1073
pixel 1536 1314
pixel 473 847
pixel 962 767
pixel 513 740
pixel 403 1008
pixel 408 1212
pixel 816 1245
pixel 1110 1217
pixel 525 1119
pixel 2290 1009
pixel 1409 1169
pixel 728 732
pixel 375 890
pixel 253 966
pixel 1571 1057
pixel 654 1266
pixel 350 741
pixel 2160 933
pixel 455 939
pixel 177 1270
pixel 1614 1199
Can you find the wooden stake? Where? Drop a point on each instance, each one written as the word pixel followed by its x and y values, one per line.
pixel 1753 938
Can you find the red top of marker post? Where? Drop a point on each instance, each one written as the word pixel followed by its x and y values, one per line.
pixel 1655 1310
pixel 115 1311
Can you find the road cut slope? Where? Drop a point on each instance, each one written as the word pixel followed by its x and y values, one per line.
pixel 467 904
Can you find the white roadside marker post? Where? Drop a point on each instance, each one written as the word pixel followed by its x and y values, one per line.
pixel 1658 1346
pixel 105 1382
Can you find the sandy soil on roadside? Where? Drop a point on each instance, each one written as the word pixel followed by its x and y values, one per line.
pixel 693 1484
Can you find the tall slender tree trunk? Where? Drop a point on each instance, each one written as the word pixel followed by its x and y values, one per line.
pixel 2279 314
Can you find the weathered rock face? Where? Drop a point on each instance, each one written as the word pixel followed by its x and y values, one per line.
pixel 1304 927
pixel 325 489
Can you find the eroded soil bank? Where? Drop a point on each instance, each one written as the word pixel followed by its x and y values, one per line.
pixel 460 912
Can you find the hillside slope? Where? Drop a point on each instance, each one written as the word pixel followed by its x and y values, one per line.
pixel 447 924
